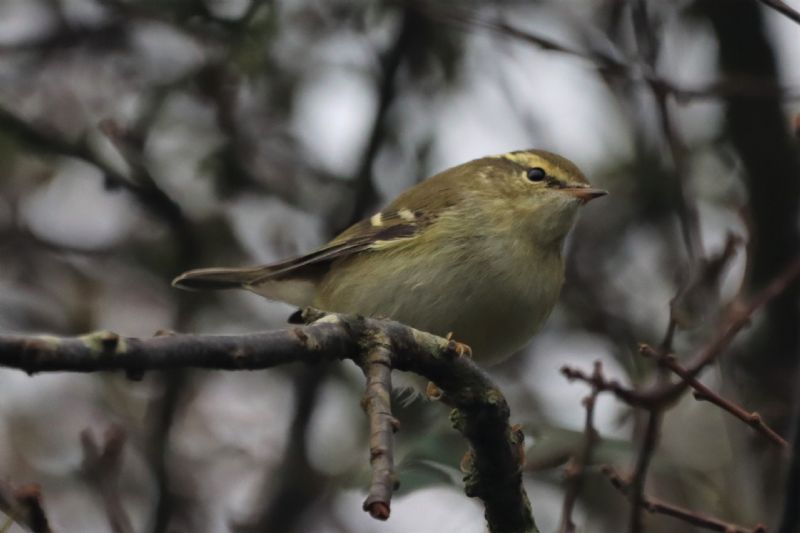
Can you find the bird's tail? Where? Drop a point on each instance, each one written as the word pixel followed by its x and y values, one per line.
pixel 218 278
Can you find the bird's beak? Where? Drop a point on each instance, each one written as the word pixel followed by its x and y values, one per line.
pixel 585 194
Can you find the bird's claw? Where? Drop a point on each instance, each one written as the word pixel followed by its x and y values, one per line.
pixel 461 349
pixel 433 392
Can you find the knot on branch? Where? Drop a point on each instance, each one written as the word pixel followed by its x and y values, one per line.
pixel 31 352
pixel 104 343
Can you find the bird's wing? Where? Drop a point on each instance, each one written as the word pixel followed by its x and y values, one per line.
pixel 295 280
pixel 379 232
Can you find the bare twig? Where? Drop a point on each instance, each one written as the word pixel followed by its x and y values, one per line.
pixel 365 193
pixel 661 394
pixel 101 466
pixel 740 318
pixel 698 295
pixel 174 381
pixel 783 8
pixel 666 393
pixel 141 185
pixel 680 166
pixel 649 45
pixel 611 64
pixel 382 425
pixel 111 34
pixel 758 134
pixel 653 505
pixel 576 468
pixel 24 506
pixel 790 517
pixel 701 392
pixel 646 450
pixel 299 485
pixel 130 145
pixel 145 190
pixel 631 397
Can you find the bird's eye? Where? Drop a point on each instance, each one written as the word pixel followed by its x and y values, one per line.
pixel 536 174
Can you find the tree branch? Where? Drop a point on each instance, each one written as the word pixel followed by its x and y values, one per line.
pixel 646 450
pixel 576 468
pixel 141 184
pixel 382 425
pixel 365 192
pixel 101 466
pixel 297 485
pixel 783 8
pixel 610 64
pixel 649 46
pixel 758 132
pixel 790 516
pixel 658 396
pixel 24 506
pixel 481 413
pixel 653 505
pixel 738 318
pixel 703 393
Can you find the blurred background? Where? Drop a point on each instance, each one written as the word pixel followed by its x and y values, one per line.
pixel 141 138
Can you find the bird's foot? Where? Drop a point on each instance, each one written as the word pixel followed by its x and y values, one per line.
pixel 433 392
pixel 459 347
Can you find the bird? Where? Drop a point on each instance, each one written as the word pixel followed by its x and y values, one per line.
pixel 474 253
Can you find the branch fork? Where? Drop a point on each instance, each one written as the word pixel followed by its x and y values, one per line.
pixel 480 411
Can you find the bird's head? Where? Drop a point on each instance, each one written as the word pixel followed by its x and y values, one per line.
pixel 535 189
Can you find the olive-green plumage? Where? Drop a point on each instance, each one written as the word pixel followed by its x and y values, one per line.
pixel 474 251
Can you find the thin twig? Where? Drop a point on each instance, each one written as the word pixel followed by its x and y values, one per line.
pixel 576 468
pixel 646 38
pixel 166 409
pixel 101 466
pixel 632 397
pixel 741 318
pixel 653 505
pixel 24 506
pixel 365 192
pixel 110 34
pixel 680 166
pixel 141 185
pixel 783 8
pixel 655 398
pixel 790 516
pixel 643 458
pixel 738 318
pixel 607 63
pixel 297 485
pixel 703 393
pixel 382 425
pixel 130 145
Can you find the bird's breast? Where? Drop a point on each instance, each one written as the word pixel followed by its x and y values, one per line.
pixel 492 295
